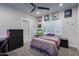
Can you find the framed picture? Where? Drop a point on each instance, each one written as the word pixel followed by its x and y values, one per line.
pixel 39 19
pixel 46 18
pixel 68 13
pixel 39 25
pixel 55 16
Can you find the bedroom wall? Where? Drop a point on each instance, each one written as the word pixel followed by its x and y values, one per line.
pixel 77 41
pixel 69 27
pixel 10 18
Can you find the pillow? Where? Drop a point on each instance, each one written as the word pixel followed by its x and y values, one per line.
pixel 39 32
pixel 50 34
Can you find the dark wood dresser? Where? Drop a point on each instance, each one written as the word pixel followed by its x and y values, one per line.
pixel 15 39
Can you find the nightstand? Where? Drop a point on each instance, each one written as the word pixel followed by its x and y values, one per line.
pixel 64 43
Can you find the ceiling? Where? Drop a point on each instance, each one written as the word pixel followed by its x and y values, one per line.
pixel 54 7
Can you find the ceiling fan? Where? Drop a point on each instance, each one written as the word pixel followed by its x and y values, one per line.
pixel 35 7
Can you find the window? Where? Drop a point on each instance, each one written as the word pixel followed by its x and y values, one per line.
pixel 54 26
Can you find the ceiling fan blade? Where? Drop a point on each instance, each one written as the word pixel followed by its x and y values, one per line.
pixel 33 5
pixel 43 8
pixel 33 10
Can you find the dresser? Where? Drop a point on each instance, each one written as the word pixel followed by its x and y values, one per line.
pixel 15 39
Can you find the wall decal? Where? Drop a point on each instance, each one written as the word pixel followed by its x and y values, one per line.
pixel 55 16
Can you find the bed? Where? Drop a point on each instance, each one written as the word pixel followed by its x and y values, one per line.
pixel 46 44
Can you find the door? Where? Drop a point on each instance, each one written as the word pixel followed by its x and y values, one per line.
pixel 25 25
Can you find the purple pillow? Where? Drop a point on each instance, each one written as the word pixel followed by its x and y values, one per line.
pixel 50 34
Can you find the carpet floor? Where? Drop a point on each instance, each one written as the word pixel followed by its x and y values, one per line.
pixel 27 51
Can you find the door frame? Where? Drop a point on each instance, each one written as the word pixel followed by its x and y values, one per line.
pixel 25 20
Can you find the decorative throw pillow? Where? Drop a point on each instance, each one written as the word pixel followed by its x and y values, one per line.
pixel 50 34
pixel 39 32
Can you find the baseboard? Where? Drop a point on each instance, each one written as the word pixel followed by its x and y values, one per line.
pixel 74 47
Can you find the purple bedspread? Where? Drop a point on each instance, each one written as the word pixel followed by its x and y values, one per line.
pixel 47 45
